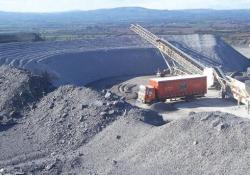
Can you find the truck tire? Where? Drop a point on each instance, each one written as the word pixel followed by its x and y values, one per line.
pixel 223 95
pixel 162 100
pixel 189 98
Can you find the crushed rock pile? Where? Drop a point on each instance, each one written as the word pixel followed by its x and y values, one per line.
pixel 203 143
pixel 19 89
pixel 68 117
pixel 76 130
pixel 60 122
pixel 210 50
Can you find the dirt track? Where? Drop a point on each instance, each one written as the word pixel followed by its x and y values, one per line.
pixel 128 87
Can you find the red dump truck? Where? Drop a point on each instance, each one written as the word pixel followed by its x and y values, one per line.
pixel 184 86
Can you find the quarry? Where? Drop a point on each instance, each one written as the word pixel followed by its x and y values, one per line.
pixel 71 107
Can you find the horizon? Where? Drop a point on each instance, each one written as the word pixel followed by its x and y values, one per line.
pixel 56 6
pixel 125 7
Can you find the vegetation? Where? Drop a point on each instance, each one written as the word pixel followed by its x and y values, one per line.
pixel 81 25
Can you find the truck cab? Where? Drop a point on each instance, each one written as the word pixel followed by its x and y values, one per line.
pixel 146 94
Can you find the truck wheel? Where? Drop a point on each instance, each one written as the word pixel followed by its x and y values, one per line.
pixel 223 95
pixel 189 98
pixel 162 100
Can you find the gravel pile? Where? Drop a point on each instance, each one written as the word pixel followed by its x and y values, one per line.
pixel 68 117
pixel 59 123
pixel 203 143
pixel 81 131
pixel 19 89
pixel 211 50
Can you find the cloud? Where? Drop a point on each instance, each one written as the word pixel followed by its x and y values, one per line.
pixel 66 5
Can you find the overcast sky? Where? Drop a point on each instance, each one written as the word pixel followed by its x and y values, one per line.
pixel 67 5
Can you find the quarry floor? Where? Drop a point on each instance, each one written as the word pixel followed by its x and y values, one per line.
pixel 211 102
pixel 172 110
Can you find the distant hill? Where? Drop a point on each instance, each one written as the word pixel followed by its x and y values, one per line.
pixel 120 15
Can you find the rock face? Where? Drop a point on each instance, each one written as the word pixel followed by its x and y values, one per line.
pixel 82 62
pixel 86 67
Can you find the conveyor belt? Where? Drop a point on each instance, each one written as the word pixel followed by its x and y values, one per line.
pixel 220 73
pixel 187 63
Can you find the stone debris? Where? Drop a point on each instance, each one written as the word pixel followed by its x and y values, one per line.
pixel 77 130
pixel 108 95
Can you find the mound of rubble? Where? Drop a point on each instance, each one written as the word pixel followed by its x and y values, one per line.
pixel 76 130
pixel 70 116
pixel 19 89
pixel 203 143
pixel 60 122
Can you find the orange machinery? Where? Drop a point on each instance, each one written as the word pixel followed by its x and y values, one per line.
pixel 184 86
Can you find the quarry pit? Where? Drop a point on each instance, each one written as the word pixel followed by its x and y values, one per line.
pixel 87 121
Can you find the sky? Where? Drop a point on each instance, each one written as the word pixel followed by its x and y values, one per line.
pixel 69 5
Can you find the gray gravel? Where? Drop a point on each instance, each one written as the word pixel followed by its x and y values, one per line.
pixel 211 50
pixel 204 143
pixel 19 89
pixel 81 131
pixel 55 126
